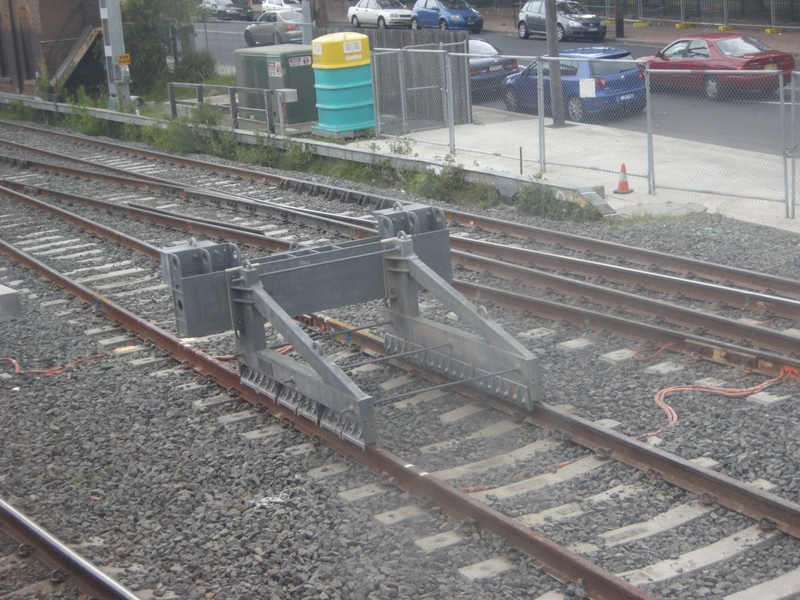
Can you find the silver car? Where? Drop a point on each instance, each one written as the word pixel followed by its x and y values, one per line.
pixel 380 13
pixel 574 21
pixel 275 27
pixel 282 4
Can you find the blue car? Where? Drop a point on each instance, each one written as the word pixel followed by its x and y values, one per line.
pixel 588 87
pixel 446 14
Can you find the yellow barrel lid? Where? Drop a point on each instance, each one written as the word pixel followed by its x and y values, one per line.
pixel 340 50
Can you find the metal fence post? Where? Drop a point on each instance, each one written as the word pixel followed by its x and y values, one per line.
pixel 173 106
pixel 785 150
pixel 540 112
pixel 683 11
pixel 402 76
pixel 450 100
pixel 376 94
pixel 772 20
pixel 651 176
pixel 795 82
pixel 724 12
pixel 268 107
pixel 199 90
pixel 234 107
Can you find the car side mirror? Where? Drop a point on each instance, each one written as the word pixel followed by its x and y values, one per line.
pixel 658 54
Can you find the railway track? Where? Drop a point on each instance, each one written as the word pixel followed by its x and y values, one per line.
pixel 509 499
pixel 24 567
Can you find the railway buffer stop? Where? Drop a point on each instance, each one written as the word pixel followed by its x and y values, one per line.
pixel 215 291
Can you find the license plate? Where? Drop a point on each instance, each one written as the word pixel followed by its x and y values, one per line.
pixel 625 97
pixel 772 66
pixel 243 14
pixel 495 67
pixel 593 28
pixel 406 21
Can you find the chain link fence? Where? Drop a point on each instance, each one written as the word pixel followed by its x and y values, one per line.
pixel 731 133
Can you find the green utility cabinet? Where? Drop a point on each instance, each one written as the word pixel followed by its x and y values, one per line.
pixel 273 68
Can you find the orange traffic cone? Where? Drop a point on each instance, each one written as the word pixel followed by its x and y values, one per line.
pixel 623 182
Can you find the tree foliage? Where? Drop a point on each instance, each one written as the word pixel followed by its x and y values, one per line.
pixel 148 26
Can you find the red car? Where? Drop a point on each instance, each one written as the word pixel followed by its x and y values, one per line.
pixel 715 52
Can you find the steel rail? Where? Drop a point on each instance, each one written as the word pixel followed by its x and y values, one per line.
pixel 713 350
pixel 760 361
pixel 346 226
pixel 560 562
pixel 677 287
pixel 65 563
pixel 178 222
pixel 729 276
pixel 709 324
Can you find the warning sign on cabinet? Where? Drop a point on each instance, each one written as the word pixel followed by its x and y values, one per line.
pixel 274 69
pixel 299 61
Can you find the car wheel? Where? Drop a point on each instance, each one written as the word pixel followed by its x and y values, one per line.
pixel 442 24
pixel 355 22
pixel 712 88
pixel 278 39
pixel 414 24
pixel 381 23
pixel 561 34
pixel 248 38
pixel 522 30
pixel 576 111
pixel 511 99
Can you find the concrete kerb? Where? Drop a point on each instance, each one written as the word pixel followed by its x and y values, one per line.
pixel 507 184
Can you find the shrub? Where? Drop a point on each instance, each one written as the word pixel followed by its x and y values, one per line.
pixel 195 67
pixel 538 199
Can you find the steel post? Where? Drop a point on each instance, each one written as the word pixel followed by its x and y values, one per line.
pixel 683 11
pixel 540 113
pixel 450 100
pixel 793 142
pixel 773 21
pixel 234 108
pixel 402 77
pixel 785 150
pixel 376 94
pixel 651 176
pixel 173 105
pixel 725 13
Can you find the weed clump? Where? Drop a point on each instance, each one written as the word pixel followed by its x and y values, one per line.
pixel 537 199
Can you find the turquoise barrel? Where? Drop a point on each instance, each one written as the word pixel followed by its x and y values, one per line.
pixel 343 83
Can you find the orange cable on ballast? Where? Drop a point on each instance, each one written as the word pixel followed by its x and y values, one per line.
pixel 638 354
pixel 672 416
pixel 52 371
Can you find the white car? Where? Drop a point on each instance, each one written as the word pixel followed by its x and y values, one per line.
pixel 381 13
pixel 295 5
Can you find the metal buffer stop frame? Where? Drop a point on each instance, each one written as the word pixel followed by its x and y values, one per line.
pixel 214 291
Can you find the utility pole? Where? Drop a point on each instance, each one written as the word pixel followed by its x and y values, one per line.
pixel 556 94
pixel 117 61
pixel 620 24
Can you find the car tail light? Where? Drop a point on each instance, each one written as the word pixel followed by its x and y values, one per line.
pixel 599 82
pixel 289 27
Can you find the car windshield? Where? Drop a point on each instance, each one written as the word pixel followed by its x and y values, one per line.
pixel 454 4
pixel 620 64
pixel 388 4
pixel 741 45
pixel 290 16
pixel 238 3
pixel 481 47
pixel 572 8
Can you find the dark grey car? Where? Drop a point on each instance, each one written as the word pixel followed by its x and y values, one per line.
pixel 275 27
pixel 574 21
